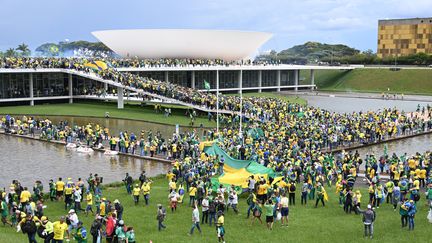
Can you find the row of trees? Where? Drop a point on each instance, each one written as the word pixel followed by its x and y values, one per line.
pixel 373 59
pixel 366 58
pixel 22 50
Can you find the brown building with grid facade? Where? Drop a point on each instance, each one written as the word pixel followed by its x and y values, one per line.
pixel 398 37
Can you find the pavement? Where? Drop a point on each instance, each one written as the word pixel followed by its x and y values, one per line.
pixel 378 96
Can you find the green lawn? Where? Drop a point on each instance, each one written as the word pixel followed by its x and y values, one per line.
pixel 98 109
pixel 407 81
pixel 307 224
pixel 291 99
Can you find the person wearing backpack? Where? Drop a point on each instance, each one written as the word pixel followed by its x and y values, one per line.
pixel 161 213
pixel 81 233
pixel 130 234
pixel 412 210
pixel 96 229
pixel 120 232
pixel 29 227
pixel 291 192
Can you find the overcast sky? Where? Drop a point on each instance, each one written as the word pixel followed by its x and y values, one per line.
pixel 350 22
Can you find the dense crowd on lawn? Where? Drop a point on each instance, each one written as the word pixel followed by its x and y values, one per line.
pixel 268 198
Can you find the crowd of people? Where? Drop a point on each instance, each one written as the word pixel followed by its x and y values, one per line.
pixel 398 184
pixel 26 211
pixel 295 141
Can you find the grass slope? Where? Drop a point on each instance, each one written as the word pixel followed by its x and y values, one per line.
pixel 407 81
pixel 307 224
pixel 98 109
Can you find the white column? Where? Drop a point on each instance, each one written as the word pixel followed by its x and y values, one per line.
pixel 31 89
pixel 70 89
pixel 166 76
pixel 217 101
pixel 278 80
pixel 296 79
pixel 120 101
pixel 312 74
pixel 193 80
pixel 106 87
pixel 240 81
pixel 259 81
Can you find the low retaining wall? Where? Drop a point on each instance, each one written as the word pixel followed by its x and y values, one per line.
pixel 95 149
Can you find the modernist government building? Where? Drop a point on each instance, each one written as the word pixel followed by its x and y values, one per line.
pixel 32 86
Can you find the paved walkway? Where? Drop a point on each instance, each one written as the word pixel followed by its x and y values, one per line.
pixel 423 98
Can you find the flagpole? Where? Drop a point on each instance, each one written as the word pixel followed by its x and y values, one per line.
pixel 217 101
pixel 241 104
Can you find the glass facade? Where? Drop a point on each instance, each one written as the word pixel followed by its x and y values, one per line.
pixel 209 76
pixel 250 78
pixel 85 86
pixel 183 78
pixel 14 85
pixel 228 79
pixel 269 78
pixel 50 84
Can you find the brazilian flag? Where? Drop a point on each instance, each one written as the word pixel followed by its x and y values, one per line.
pixel 206 85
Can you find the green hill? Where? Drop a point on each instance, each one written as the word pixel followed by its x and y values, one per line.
pixel 407 81
pixel 315 50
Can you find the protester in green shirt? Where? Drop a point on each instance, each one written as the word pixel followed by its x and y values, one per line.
pixel 269 214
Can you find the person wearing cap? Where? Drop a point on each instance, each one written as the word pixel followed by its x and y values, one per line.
pixel 48 231
pixel 220 226
pixel 369 217
pixel 195 220
pixel 136 193
pixel 161 213
pixel 28 226
pixel 59 229
pixel 146 191
pixel 96 229
pixel 121 232
pixel 81 233
pixel 403 211
pixel 73 219
pixel 412 210
pixel 119 209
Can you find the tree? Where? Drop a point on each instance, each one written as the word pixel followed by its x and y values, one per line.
pixel 24 49
pixel 10 52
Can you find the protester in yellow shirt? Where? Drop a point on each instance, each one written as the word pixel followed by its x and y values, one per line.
pixel 89 199
pixel 59 228
pixel 25 196
pixel 146 191
pixel 135 193
pixel 59 188
pixel 192 193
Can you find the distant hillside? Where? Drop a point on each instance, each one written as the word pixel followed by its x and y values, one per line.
pixel 311 52
pixel 315 50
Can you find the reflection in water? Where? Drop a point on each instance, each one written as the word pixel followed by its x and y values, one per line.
pixel 410 146
pixel 29 160
pixel 348 105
